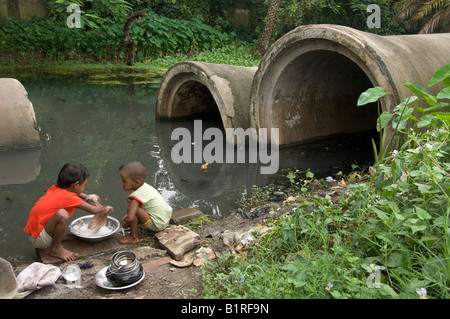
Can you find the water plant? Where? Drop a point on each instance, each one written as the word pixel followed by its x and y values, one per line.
pixel 387 238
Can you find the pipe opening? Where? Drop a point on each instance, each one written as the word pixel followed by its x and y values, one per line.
pixel 192 99
pixel 315 96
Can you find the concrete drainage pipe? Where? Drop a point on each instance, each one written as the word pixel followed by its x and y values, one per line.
pixel 309 81
pixel 17 120
pixel 190 88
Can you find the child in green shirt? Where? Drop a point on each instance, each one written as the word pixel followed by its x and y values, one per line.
pixel 146 207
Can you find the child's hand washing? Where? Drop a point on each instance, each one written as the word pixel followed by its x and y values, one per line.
pixel 93 199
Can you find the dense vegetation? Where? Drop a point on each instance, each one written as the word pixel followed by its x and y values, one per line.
pixel 172 27
pixel 386 238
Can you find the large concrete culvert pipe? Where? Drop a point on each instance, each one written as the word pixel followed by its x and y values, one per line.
pixel 18 120
pixel 20 146
pixel 309 81
pixel 190 88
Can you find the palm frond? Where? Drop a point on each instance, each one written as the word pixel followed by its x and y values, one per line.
pixel 407 8
pixel 428 7
pixel 439 18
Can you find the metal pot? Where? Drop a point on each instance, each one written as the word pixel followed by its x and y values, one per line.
pixel 125 269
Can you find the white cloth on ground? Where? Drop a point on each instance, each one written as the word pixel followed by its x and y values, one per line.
pixel 36 276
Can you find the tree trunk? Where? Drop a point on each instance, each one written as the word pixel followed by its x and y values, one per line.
pixel 266 33
pixel 13 9
pixel 130 49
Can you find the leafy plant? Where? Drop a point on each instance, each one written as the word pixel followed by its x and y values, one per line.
pixel 384 239
pixel 299 180
pixel 252 197
pixel 167 36
pixel 403 113
pixel 101 36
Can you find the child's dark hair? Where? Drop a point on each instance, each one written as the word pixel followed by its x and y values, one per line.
pixel 135 171
pixel 71 173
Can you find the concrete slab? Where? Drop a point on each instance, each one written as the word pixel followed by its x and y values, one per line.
pixel 184 215
pixel 177 240
pixel 82 248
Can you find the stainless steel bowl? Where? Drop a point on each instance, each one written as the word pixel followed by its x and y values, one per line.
pixel 111 223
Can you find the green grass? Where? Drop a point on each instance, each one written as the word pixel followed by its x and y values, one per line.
pixel 233 54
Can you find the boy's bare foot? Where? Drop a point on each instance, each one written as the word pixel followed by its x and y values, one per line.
pixel 127 239
pixel 63 254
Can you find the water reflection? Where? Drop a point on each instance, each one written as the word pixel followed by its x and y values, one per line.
pixel 19 166
pixel 214 182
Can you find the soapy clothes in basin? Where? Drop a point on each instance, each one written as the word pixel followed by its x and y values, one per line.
pixel 83 230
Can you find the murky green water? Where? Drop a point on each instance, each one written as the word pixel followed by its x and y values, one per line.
pixel 105 122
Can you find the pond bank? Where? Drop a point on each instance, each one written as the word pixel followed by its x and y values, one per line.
pixel 167 279
pixel 100 73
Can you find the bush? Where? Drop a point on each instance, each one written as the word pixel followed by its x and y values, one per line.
pixel 158 35
pixel 102 39
pixel 384 239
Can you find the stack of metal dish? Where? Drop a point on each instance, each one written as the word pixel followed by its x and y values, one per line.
pixel 125 269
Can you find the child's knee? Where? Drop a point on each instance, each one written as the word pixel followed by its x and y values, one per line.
pixel 62 215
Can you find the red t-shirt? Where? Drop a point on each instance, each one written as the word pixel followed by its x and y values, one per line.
pixel 54 199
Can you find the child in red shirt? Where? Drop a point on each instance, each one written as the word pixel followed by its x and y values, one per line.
pixel 50 215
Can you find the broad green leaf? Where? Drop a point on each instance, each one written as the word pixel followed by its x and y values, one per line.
pixel 290 267
pixel 389 290
pixel 384 119
pixel 336 294
pixel 440 221
pixel 410 100
pixel 444 94
pixel 426 120
pixel 394 260
pixel 371 95
pixel 382 215
pixel 309 174
pixel 418 89
pixel 415 229
pixel 297 283
pixel 424 189
pixel 393 207
pixel 400 123
pixel 443 116
pixel 441 75
pixel 422 214
pixel 437 106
